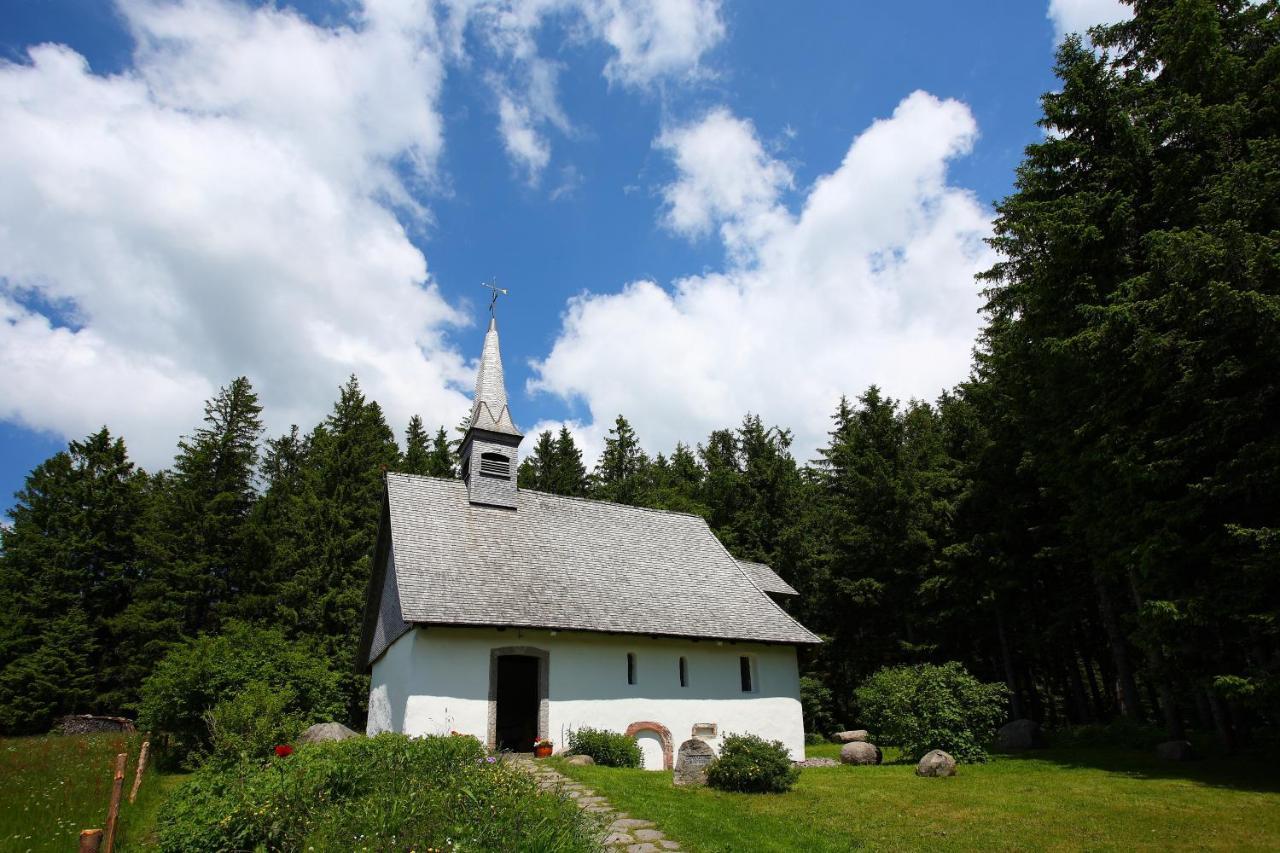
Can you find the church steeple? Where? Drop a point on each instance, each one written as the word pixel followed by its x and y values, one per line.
pixel 489 449
pixel 489 410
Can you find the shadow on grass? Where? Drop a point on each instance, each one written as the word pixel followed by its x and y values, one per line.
pixel 1244 771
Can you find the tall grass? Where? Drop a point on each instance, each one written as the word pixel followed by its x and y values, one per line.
pixel 53 786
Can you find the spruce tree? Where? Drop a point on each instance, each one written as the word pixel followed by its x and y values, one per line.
pixel 621 475
pixel 417 450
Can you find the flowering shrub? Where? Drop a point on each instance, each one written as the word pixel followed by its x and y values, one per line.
pixel 611 749
pixel 389 792
pixel 753 765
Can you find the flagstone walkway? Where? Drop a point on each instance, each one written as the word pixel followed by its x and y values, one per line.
pixel 623 832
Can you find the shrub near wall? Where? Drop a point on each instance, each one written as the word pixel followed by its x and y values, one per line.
pixel 612 749
pixel 926 707
pixel 753 765
pixel 389 792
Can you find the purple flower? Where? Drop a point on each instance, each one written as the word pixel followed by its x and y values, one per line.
pixel 491 759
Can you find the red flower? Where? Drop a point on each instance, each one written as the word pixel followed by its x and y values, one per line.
pixel 284 750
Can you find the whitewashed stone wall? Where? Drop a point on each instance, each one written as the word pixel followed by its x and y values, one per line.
pixel 436 680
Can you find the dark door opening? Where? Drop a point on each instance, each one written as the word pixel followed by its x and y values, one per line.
pixel 517 699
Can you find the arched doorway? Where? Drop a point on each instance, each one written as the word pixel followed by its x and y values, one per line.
pixel 654 740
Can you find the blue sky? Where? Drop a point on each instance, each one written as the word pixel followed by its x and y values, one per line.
pixel 700 208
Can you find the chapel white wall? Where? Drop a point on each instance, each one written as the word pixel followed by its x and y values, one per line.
pixel 436 680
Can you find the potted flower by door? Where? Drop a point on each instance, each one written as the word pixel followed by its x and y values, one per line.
pixel 542 747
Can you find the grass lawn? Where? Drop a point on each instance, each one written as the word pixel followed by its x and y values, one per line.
pixel 1091 799
pixel 51 787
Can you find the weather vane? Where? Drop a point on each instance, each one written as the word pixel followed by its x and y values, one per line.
pixel 497 291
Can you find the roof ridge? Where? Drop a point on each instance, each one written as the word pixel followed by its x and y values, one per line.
pixel 614 503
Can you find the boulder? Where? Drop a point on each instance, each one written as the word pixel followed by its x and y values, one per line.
pixel 850 736
pixel 580 760
pixel 321 732
pixel 692 760
pixel 1019 735
pixel 857 752
pixel 1176 750
pixel 936 763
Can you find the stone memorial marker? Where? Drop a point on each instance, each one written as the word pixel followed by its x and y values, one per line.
pixel 692 760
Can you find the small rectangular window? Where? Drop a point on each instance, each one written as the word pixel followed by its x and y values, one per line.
pixel 744 668
pixel 684 673
pixel 631 668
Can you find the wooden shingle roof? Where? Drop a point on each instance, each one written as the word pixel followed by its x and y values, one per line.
pixel 567 563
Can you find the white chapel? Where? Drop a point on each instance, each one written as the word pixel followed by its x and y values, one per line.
pixel 513 615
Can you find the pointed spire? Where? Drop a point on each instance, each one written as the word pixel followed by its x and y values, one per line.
pixel 489 411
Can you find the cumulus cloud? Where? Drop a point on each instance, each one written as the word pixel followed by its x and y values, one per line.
pixel 651 40
pixel 870 281
pixel 1077 16
pixel 236 202
pixel 226 206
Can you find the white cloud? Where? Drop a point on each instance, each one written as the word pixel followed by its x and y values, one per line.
pixel 527 148
pixel 725 176
pixel 222 208
pixel 651 39
pixel 236 202
pixel 1077 16
pixel 870 282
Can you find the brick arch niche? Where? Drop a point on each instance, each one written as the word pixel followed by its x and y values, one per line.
pixel 663 733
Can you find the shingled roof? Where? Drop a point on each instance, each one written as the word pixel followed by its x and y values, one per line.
pixel 563 563
pixel 766 578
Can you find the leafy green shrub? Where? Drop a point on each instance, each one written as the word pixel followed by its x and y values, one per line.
pixel 612 749
pixel 926 707
pixel 1123 733
pixel 247 725
pixel 817 707
pixel 753 765
pixel 200 673
pixel 389 792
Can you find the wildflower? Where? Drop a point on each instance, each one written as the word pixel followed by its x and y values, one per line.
pixel 284 750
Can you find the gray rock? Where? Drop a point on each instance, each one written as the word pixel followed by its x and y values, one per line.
pixel 1176 750
pixel 1019 735
pixel 617 838
pixel 850 736
pixel 643 848
pixel 692 760
pixel 857 752
pixel 817 762
pixel 936 763
pixel 580 760
pixel 648 835
pixel 321 732
pixel 627 823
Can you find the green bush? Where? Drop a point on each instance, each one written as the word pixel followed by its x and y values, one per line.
pixel 817 706
pixel 1123 733
pixel 612 749
pixel 389 792
pixel 753 765
pixel 200 673
pixel 249 724
pixel 926 707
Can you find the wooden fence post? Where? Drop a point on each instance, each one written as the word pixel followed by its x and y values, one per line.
pixel 142 765
pixel 117 787
pixel 90 840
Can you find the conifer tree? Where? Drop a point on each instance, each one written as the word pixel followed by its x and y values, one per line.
pixel 621 475
pixel 67 566
pixel 417 450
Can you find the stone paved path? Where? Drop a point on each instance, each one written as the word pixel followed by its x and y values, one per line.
pixel 622 832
